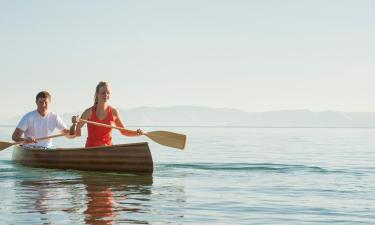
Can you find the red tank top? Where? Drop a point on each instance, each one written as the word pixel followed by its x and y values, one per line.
pixel 97 135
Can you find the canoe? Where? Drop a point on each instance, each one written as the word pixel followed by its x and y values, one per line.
pixel 131 158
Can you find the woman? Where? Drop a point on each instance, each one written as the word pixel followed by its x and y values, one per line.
pixel 102 112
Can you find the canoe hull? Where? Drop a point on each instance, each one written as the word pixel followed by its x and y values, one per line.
pixel 132 158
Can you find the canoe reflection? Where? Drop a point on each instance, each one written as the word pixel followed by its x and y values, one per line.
pixel 99 196
pixel 104 193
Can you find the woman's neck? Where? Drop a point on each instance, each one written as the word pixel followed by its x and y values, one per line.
pixel 102 106
pixel 101 111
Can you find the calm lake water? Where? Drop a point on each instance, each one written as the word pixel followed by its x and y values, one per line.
pixel 225 176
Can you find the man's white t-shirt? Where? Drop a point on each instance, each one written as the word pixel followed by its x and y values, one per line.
pixel 36 126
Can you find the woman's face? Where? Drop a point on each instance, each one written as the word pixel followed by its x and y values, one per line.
pixel 103 94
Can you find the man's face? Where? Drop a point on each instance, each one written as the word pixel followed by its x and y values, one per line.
pixel 42 105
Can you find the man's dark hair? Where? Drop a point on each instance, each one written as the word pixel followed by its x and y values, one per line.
pixel 43 94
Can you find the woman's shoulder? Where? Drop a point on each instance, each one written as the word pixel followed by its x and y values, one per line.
pixel 87 113
pixel 114 111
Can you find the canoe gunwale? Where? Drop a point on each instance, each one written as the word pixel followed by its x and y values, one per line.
pixel 85 148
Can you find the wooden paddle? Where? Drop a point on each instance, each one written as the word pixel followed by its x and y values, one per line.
pixel 166 138
pixel 4 145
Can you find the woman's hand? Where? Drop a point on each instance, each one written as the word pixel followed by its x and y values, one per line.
pixel 140 132
pixel 75 119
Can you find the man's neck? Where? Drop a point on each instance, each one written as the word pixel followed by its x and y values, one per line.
pixel 42 113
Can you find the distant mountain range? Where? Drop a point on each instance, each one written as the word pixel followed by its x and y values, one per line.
pixel 204 116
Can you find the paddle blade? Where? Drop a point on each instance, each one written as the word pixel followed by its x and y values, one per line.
pixel 167 138
pixel 4 145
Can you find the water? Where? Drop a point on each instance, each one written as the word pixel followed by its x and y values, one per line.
pixel 226 176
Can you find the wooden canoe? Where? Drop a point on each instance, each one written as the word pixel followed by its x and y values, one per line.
pixel 131 158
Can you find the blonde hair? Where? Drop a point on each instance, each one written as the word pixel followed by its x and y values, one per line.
pixel 101 84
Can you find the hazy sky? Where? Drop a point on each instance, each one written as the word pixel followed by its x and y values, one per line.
pixel 252 55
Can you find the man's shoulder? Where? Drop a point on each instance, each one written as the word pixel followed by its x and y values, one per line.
pixel 53 115
pixel 50 113
pixel 26 119
pixel 30 114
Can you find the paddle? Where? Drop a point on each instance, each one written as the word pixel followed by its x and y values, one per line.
pixel 4 145
pixel 166 138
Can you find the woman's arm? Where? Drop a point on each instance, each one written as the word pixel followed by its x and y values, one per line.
pixel 86 115
pixel 119 123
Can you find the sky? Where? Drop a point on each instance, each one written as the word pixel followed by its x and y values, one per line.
pixel 251 55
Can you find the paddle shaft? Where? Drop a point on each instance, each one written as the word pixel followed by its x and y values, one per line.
pixel 166 138
pixel 104 125
pixel 43 138
pixel 4 145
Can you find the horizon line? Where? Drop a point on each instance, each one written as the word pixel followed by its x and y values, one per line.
pixel 222 126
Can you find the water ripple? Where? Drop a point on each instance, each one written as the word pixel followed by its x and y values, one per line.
pixel 261 167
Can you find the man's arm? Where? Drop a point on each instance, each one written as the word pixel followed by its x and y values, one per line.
pixel 17 136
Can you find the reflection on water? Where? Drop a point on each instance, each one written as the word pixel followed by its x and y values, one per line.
pixel 100 203
pixel 229 176
pixel 100 197
pixel 105 192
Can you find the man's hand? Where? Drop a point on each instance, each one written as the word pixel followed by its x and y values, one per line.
pixel 30 140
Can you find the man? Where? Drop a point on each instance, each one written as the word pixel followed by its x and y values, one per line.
pixel 39 123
